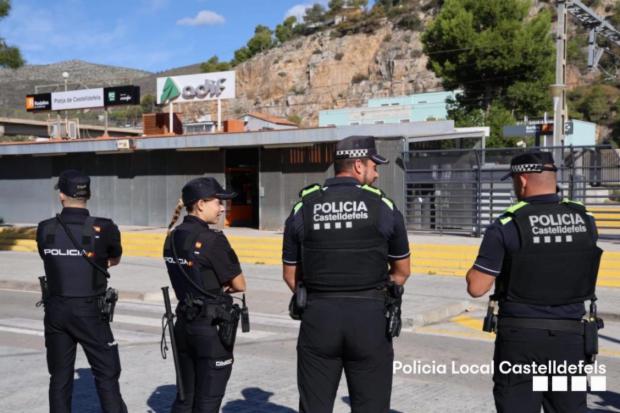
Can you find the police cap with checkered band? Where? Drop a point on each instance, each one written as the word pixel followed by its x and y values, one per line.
pixel 531 162
pixel 359 147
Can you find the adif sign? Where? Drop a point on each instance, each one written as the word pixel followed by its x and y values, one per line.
pixel 192 88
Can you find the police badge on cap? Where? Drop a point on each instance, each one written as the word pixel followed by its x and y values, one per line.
pixel 531 162
pixel 358 147
pixel 74 183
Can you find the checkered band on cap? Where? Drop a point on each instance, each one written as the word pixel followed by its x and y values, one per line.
pixel 353 153
pixel 528 167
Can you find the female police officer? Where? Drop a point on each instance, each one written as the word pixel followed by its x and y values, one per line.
pixel 203 268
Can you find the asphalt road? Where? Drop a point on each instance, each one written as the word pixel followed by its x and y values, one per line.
pixel 263 377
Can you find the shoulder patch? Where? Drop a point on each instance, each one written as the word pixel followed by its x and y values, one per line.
pixel 569 201
pixel 514 208
pixel 388 202
pixel 372 189
pixel 309 189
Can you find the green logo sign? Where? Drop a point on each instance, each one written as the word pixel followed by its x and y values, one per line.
pixel 111 96
pixel 170 92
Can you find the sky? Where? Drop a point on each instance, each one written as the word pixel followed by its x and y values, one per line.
pixel 152 35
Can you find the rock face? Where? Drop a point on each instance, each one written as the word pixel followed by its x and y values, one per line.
pixel 319 72
pixel 297 79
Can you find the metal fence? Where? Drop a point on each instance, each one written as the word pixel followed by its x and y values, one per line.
pixel 460 191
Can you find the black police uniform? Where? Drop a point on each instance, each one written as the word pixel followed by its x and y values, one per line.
pixel 342 235
pixel 206 364
pixel 544 255
pixel 72 313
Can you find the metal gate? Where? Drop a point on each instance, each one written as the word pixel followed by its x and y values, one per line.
pixel 460 191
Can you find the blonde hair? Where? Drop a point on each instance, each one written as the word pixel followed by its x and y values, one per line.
pixel 176 214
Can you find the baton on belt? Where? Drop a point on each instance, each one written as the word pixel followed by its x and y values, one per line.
pixel 168 321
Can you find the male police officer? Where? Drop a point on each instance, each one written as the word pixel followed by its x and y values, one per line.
pixel 76 249
pixel 338 241
pixel 542 256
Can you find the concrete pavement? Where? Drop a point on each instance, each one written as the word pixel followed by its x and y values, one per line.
pixel 428 299
pixel 431 254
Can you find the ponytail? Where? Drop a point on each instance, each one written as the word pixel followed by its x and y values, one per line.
pixel 176 214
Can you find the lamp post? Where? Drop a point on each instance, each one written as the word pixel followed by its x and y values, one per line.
pixel 65 76
pixel 557 91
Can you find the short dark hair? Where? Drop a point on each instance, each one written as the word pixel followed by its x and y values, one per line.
pixel 343 165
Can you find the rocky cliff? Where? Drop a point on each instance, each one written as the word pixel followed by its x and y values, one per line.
pixel 323 71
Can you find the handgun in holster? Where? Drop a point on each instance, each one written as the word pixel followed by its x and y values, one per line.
pixel 393 303
pixel 107 303
pixel 489 324
pixel 591 326
pixel 227 319
pixel 298 302
pixel 45 293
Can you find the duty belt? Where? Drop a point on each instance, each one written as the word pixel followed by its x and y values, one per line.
pixel 372 294
pixel 568 326
pixel 198 308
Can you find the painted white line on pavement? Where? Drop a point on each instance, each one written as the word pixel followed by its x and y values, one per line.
pixel 21 331
pixel 136 320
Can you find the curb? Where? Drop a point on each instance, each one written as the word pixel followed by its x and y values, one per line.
pixel 32 287
pixel 409 324
pixel 437 315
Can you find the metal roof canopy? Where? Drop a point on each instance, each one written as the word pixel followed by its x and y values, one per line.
pixel 434 130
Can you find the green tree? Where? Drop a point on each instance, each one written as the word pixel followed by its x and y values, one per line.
pixel 214 65
pixel 335 6
pixel 315 14
pixel 493 52
pixel 357 3
pixel 148 104
pixel 241 55
pixel 261 41
pixel 284 31
pixel 9 56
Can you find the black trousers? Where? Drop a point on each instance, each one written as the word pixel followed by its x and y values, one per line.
pixel 205 366
pixel 349 334
pixel 514 392
pixel 69 321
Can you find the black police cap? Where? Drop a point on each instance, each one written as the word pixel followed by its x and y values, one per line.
pixel 531 162
pixel 355 147
pixel 204 188
pixel 73 183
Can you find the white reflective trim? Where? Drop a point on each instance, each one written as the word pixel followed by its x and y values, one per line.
pixel 486 269
pixel 290 262
pixel 400 256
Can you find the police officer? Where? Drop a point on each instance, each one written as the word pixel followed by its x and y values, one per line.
pixel 203 270
pixel 77 249
pixel 542 256
pixel 344 241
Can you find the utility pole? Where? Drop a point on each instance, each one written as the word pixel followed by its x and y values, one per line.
pixel 558 90
pixel 598 26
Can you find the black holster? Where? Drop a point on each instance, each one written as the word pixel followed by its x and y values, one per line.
pixel 489 324
pixel 590 333
pixel 227 323
pixel 298 303
pixel 45 292
pixel 107 303
pixel 221 312
pixel 393 303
